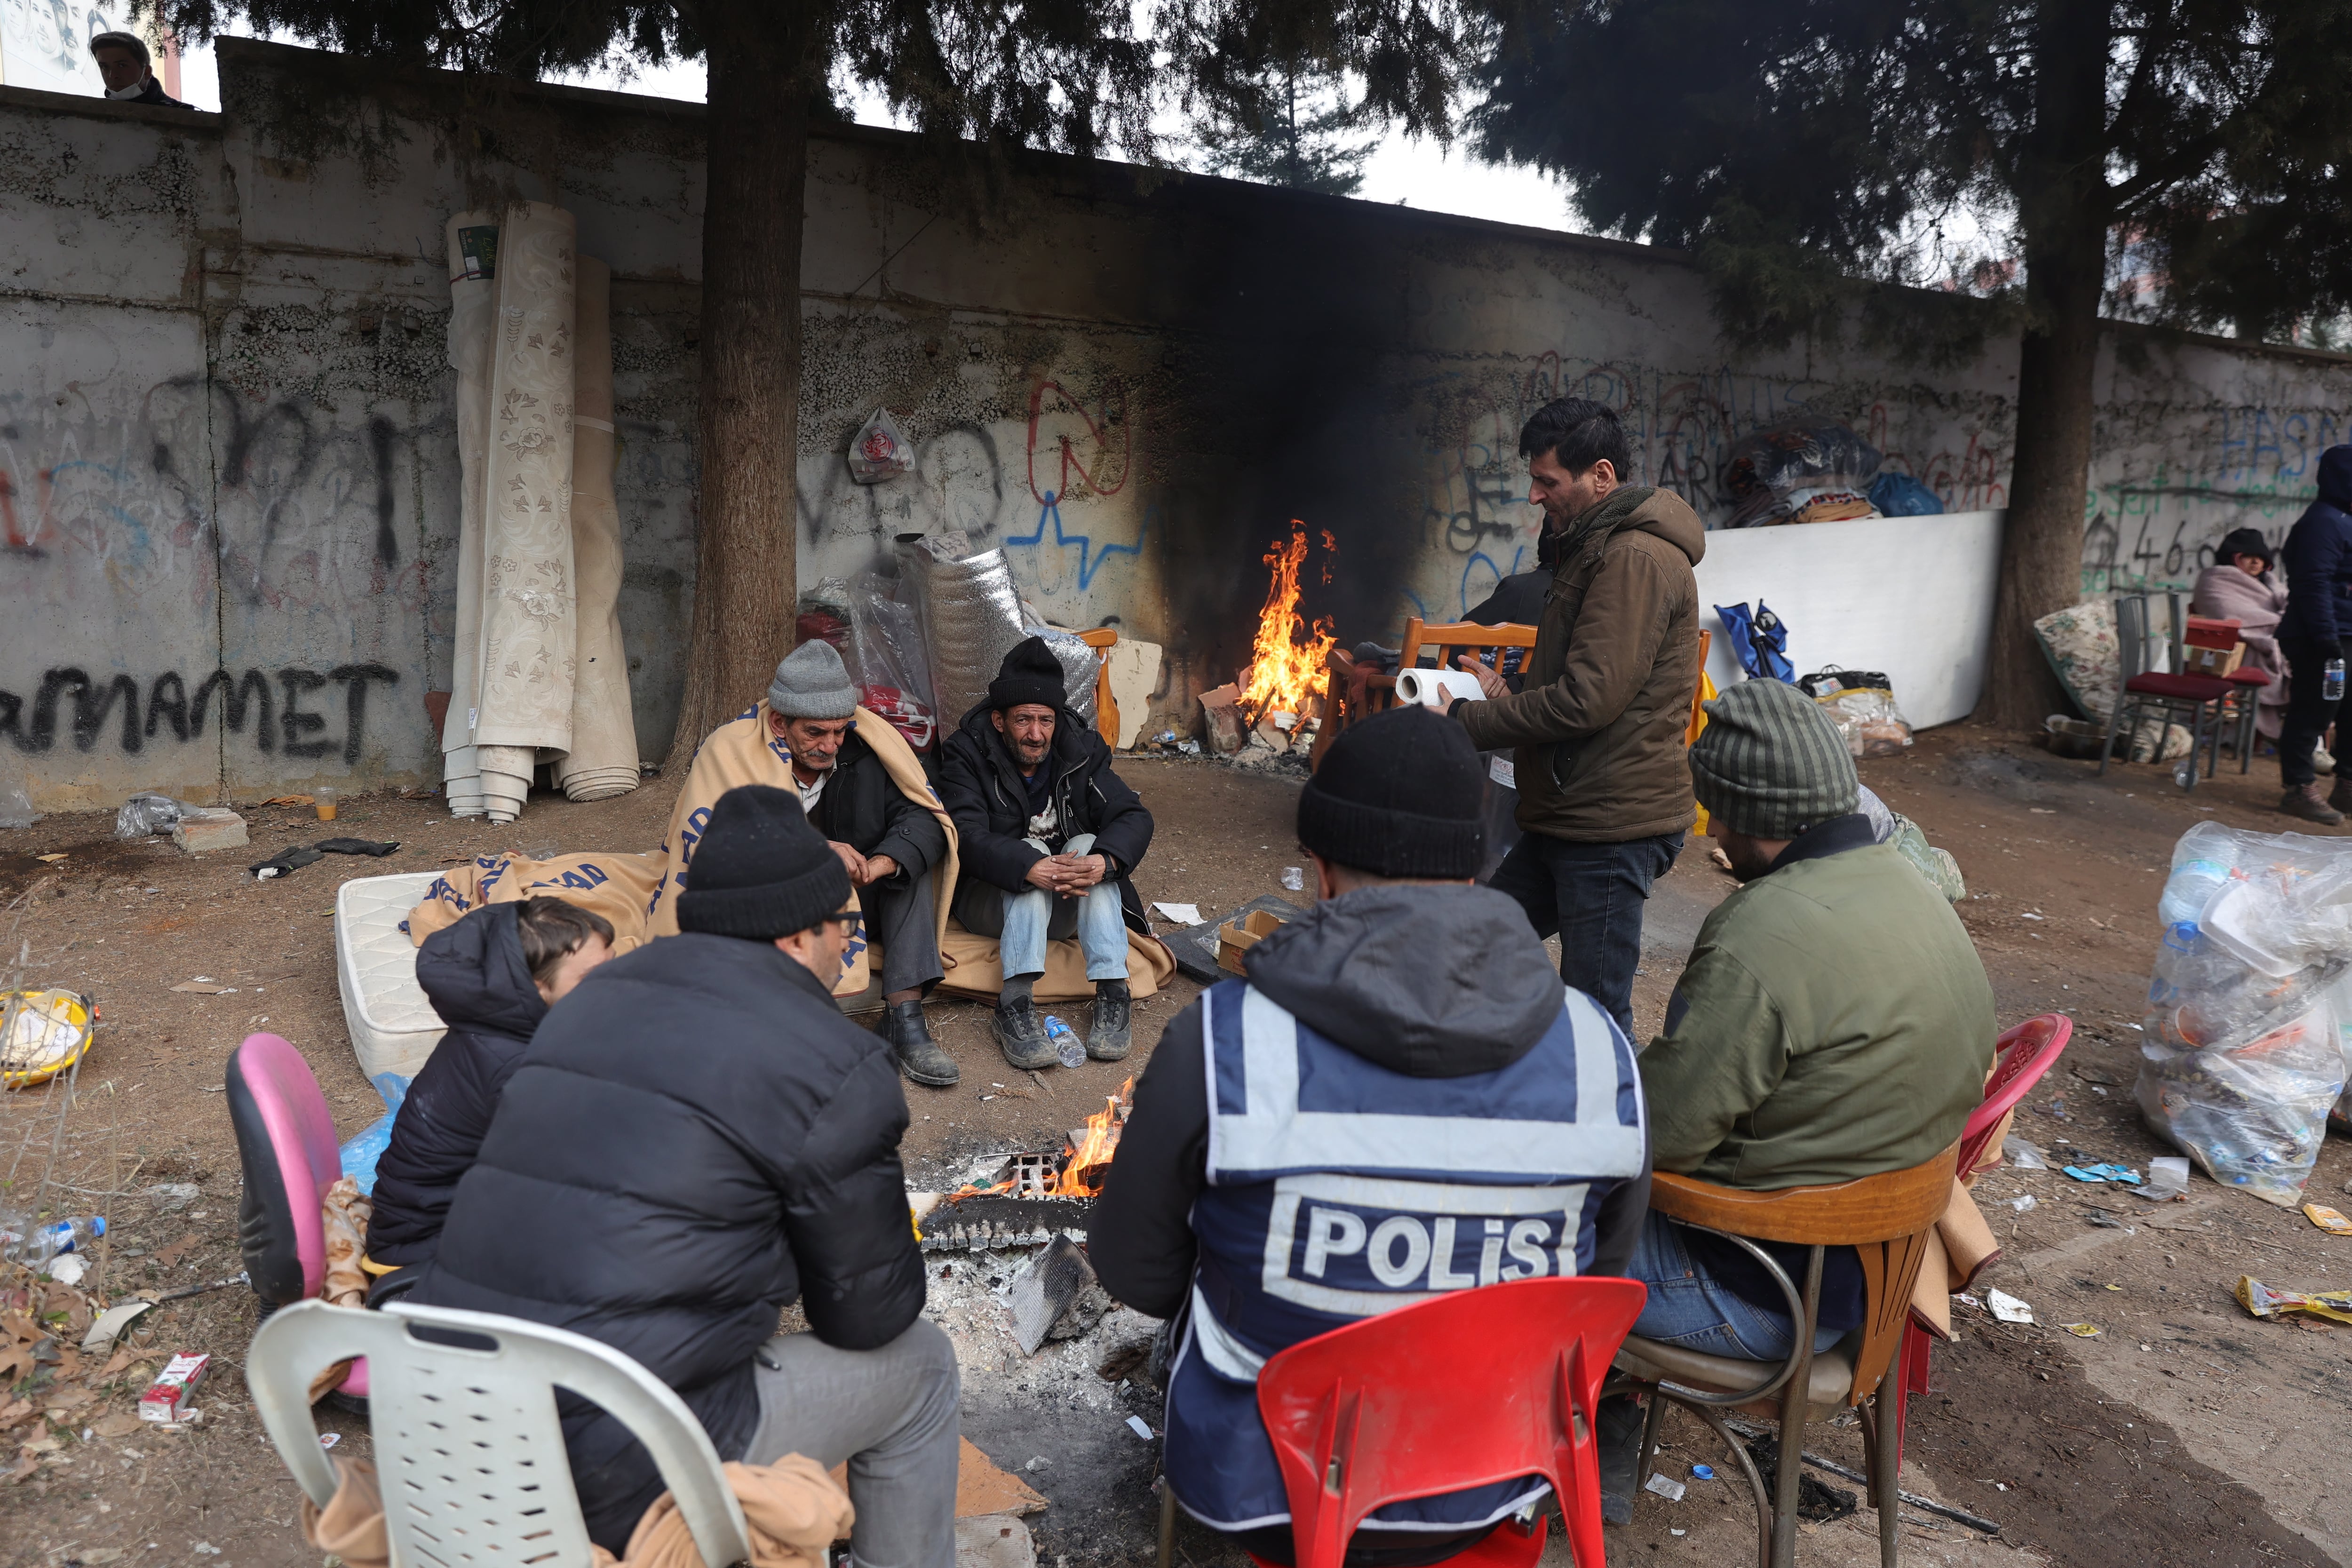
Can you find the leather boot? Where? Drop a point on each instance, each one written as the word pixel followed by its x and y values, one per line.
pixel 1112 1037
pixel 919 1056
pixel 1020 1033
pixel 2308 803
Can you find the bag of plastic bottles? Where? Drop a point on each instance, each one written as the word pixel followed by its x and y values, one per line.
pixel 2243 1060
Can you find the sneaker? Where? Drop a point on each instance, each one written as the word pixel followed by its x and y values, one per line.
pixel 1112 1037
pixel 2322 760
pixel 2308 803
pixel 1020 1035
pixel 919 1056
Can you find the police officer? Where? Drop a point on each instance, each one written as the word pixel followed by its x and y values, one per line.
pixel 1417 1105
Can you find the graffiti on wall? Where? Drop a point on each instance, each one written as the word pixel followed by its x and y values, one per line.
pixel 279 712
pixel 2254 468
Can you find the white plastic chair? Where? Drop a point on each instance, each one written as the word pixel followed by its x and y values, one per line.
pixel 469 1449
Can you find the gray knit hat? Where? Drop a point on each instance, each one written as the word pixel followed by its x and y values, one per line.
pixel 1770 764
pixel 812 683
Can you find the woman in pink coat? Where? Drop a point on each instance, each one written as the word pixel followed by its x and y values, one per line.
pixel 2240 586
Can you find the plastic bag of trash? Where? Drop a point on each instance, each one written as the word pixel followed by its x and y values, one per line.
pixel 885 658
pixel 880 450
pixel 144 816
pixel 16 803
pixel 1867 720
pixel 2243 1057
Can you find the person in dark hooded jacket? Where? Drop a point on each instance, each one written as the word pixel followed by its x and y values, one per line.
pixel 694 1142
pixel 492 977
pixel 1050 838
pixel 2316 629
pixel 1406 1102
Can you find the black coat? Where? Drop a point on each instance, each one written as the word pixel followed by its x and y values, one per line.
pixel 475 975
pixel 2317 558
pixel 696 1138
pixel 864 807
pixel 982 789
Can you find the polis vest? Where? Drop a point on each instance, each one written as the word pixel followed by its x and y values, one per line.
pixel 1338 1189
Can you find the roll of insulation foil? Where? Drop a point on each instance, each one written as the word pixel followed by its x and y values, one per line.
pixel 972 619
pixel 1437 688
pixel 1080 669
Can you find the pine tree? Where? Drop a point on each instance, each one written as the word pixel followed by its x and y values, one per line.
pixel 1292 126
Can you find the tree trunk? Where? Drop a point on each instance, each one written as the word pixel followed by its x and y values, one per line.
pixel 2062 209
pixel 746 587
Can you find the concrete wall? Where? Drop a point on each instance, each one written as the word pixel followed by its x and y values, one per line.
pixel 228 473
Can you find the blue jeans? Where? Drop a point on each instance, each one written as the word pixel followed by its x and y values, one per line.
pixel 1102 928
pixel 1689 1308
pixel 1592 895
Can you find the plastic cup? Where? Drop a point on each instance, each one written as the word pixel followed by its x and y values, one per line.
pixel 323 798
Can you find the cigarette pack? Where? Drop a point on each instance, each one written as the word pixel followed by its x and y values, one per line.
pixel 169 1397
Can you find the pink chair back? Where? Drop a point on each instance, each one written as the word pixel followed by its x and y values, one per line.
pixel 2021 1056
pixel 285 1141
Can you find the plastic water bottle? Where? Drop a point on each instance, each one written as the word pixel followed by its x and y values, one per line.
pixel 35 1243
pixel 2331 687
pixel 1066 1045
pixel 2189 889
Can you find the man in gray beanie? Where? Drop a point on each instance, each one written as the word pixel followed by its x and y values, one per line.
pixel 805 737
pixel 1833 1022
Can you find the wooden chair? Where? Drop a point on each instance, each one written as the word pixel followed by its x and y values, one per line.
pixel 1350 692
pixel 1451 638
pixel 1886 1219
pixel 1102 639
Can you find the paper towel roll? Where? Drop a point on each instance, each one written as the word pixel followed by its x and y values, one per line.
pixel 1437 688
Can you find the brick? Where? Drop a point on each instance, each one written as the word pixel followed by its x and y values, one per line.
pixel 214 827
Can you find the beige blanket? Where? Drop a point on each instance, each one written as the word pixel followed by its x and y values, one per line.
pixel 792 1512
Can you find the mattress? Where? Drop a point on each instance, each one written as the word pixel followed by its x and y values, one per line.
pixel 393 1028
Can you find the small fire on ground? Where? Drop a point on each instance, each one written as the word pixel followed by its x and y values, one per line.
pixel 1077 1170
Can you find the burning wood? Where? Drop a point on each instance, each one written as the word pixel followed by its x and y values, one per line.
pixel 1286 668
pixel 1078 1172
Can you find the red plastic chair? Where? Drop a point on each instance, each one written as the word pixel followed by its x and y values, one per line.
pixel 285 1147
pixel 2020 1058
pixel 1364 1416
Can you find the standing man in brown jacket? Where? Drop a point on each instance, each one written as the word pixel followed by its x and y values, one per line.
pixel 1604 792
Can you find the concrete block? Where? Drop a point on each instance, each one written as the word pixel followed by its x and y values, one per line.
pixel 994 1540
pixel 212 827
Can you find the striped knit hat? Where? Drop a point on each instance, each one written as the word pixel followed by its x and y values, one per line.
pixel 1770 764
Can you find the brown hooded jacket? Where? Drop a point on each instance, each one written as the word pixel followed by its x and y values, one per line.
pixel 1598 730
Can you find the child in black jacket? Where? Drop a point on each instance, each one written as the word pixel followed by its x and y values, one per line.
pixel 492 977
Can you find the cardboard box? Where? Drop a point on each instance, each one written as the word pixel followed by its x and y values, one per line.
pixel 168 1399
pixel 1236 938
pixel 2215 661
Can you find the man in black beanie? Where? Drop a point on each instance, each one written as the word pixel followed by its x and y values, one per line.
pixel 1050 837
pixel 1407 1101
pixel 696 1142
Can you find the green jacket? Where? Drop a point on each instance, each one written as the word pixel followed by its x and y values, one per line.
pixel 1834 1021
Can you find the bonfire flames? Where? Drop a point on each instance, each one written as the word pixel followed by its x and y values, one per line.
pixel 1086 1162
pixel 1287 661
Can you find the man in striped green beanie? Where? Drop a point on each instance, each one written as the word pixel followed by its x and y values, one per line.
pixel 1833 1021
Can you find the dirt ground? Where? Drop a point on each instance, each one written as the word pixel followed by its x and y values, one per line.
pixel 2184 1433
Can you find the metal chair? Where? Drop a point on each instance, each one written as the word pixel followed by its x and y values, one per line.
pixel 468 1441
pixel 1886 1219
pixel 2150 659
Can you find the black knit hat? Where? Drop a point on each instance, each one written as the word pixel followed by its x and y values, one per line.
pixel 2243 541
pixel 1400 794
pixel 761 871
pixel 1030 673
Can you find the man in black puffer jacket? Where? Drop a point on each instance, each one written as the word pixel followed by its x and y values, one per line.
pixel 492 977
pixel 695 1142
pixel 1050 838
